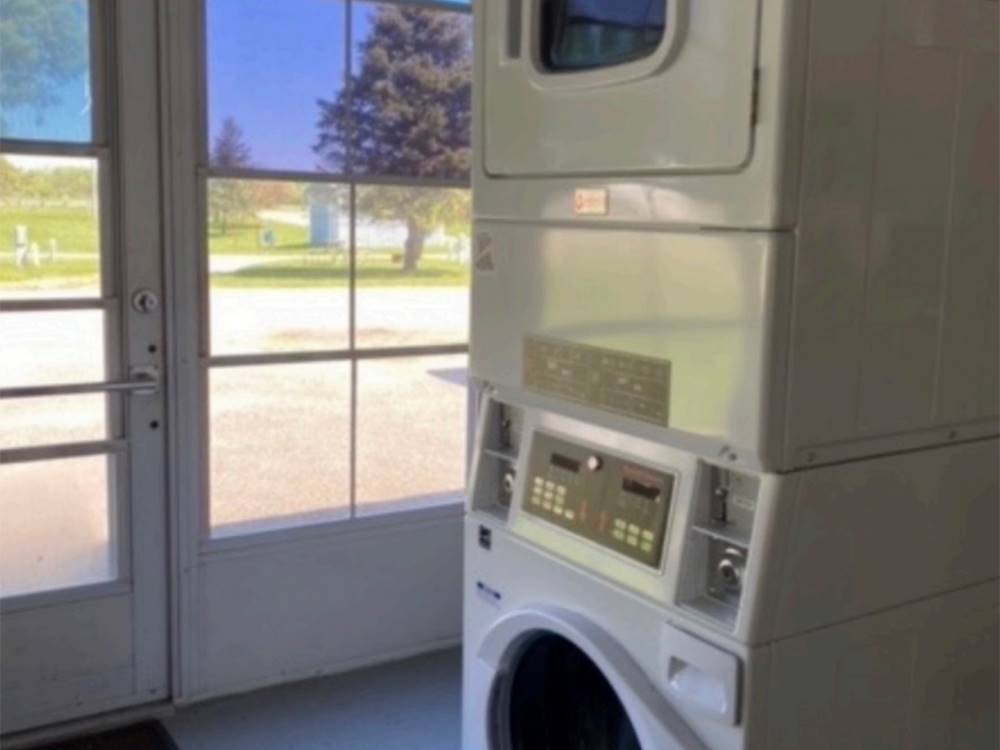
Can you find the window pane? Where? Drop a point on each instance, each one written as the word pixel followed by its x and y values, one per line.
pixel 46 348
pixel 270 65
pixel 411 433
pixel 412 266
pixel 280 446
pixel 45 421
pixel 580 34
pixel 49 227
pixel 278 265
pixel 411 83
pixel 56 529
pixel 45 75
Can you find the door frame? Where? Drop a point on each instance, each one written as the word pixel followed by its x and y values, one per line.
pixel 125 84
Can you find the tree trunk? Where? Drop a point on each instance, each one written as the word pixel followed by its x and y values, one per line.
pixel 413 248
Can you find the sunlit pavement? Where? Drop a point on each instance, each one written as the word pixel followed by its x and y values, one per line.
pixel 280 433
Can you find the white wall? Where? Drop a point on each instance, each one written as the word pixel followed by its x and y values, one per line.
pixel 288 610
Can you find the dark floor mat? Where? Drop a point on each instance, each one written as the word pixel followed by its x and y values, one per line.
pixel 149 735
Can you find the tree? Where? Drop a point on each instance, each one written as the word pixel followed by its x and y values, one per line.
pixel 230 149
pixel 43 48
pixel 229 199
pixel 11 181
pixel 406 112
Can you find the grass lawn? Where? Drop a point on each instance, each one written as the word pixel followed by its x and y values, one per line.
pixel 73 228
pixel 75 231
pixel 61 273
pixel 320 272
pixel 244 239
pixel 290 263
pixel 299 265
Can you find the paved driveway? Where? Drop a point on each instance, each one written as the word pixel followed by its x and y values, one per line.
pixel 280 442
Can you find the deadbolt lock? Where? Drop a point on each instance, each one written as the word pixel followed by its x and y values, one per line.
pixel 145 300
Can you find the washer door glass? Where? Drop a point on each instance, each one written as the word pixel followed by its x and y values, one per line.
pixel 557 699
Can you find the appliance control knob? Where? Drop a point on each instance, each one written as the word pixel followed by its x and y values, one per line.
pixel 730 570
pixel 594 463
pixel 509 479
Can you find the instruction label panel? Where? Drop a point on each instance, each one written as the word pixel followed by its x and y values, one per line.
pixel 629 384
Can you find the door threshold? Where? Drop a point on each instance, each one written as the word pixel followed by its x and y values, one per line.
pixel 90 725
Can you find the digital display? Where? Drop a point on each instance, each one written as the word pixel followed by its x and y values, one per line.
pixel 565 462
pixel 601 497
pixel 635 487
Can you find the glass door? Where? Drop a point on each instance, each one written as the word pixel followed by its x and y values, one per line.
pixel 83 596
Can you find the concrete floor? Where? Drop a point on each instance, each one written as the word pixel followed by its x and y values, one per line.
pixel 409 705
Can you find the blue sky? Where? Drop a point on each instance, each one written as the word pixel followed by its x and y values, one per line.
pixel 268 63
pixel 69 119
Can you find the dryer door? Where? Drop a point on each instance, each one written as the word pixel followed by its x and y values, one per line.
pixel 559 683
pixel 616 86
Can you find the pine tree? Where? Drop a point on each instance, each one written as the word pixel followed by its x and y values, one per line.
pixel 229 199
pixel 230 149
pixel 405 112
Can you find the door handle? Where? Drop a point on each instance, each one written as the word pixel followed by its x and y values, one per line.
pixel 143 381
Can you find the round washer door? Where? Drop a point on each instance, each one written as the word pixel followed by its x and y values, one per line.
pixel 556 698
pixel 562 683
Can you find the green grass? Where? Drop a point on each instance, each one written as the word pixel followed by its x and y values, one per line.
pixel 75 231
pixel 244 239
pixel 322 272
pixel 60 273
pixel 302 266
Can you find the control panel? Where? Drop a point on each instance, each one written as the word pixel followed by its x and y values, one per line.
pixel 616 503
pixel 717 550
pixel 629 384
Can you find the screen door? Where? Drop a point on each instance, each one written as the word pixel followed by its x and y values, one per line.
pixel 83 596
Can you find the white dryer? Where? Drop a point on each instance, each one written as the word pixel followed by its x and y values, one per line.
pixel 791 205
pixel 624 595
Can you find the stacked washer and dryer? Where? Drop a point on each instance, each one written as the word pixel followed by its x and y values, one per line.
pixel 735 335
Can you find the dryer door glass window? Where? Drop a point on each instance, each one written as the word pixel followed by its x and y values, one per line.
pixel 560 700
pixel 586 34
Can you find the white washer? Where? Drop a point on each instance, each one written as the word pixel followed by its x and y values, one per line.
pixel 734 611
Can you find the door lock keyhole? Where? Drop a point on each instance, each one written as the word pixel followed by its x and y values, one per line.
pixel 145 301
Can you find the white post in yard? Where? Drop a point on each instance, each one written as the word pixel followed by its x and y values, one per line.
pixel 20 244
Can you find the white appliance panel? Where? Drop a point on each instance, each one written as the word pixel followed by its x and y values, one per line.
pixel 689 105
pixel 705 303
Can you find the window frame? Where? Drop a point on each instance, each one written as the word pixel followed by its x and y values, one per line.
pixel 102 148
pixel 352 353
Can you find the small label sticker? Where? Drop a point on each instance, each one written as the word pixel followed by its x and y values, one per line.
pixel 591 202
